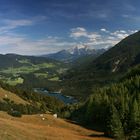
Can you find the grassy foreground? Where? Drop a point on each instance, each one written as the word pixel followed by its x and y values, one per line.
pixel 33 127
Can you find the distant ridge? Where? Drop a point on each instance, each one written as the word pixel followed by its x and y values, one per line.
pixel 74 53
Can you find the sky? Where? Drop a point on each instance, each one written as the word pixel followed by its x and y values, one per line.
pixel 35 27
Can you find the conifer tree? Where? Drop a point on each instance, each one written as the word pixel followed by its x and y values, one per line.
pixel 134 124
pixel 115 126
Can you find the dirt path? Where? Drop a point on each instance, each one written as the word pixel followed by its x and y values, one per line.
pixel 46 127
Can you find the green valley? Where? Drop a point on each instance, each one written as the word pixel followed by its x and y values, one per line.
pixel 40 68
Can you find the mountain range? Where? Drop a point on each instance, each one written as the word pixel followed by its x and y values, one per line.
pixel 71 55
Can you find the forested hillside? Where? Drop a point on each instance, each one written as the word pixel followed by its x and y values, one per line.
pixel 22 101
pixel 115 108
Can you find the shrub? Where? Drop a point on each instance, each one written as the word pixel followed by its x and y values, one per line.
pixel 15 113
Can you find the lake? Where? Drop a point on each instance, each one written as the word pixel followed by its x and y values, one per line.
pixel 58 95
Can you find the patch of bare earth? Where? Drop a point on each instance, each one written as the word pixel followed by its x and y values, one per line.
pixel 43 127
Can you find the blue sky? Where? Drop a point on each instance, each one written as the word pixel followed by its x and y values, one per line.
pixel 33 27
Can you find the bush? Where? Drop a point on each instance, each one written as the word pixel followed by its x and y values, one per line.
pixel 66 114
pixel 15 113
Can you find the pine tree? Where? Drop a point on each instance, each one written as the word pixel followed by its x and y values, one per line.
pixel 115 126
pixel 134 124
pixel 89 110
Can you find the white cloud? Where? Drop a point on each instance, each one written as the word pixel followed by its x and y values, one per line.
pixel 82 32
pixel 103 29
pixel 93 36
pixel 102 38
pixel 11 42
pixel 10 24
pixel 22 45
pixel 121 34
pixel 20 22
pixel 78 32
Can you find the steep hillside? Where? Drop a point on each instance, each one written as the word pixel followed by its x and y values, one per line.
pixel 18 100
pixel 121 56
pixel 33 127
pixel 4 94
pixel 105 69
pixel 115 108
